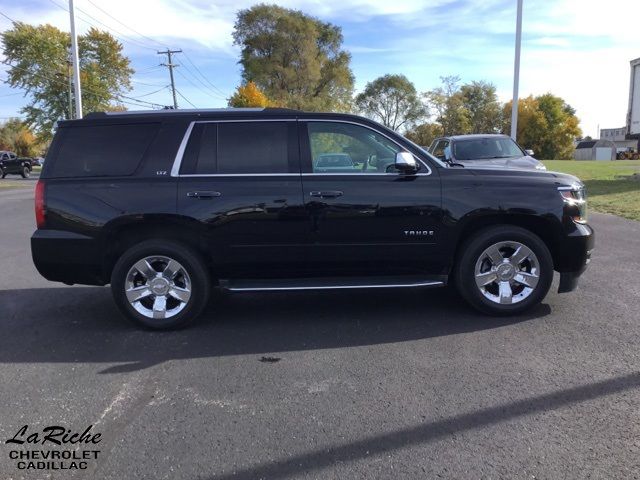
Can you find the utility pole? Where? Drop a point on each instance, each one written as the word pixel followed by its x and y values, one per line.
pixel 76 64
pixel 70 89
pixel 171 66
pixel 516 73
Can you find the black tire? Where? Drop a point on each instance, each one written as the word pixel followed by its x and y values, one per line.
pixel 194 265
pixel 25 172
pixel 472 249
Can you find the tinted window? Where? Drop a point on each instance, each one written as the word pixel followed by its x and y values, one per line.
pixel 101 150
pixel 237 147
pixel 346 148
pixel 482 148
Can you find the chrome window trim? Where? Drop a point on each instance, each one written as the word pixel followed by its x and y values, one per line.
pixel 177 162
pixel 330 120
pixel 187 175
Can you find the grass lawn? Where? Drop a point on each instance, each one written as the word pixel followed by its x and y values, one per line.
pixel 611 186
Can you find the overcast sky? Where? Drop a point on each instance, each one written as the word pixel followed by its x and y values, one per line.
pixel 577 49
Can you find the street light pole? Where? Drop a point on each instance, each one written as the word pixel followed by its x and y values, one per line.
pixel 516 73
pixel 74 60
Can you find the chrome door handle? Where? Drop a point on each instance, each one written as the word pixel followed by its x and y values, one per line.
pixel 203 194
pixel 327 194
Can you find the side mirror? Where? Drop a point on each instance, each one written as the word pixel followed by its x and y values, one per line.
pixel 406 163
pixel 529 152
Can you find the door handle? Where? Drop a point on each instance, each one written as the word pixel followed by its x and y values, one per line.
pixel 327 194
pixel 203 194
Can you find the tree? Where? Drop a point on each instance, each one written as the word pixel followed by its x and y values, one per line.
pixel 424 134
pixel 562 127
pixel 546 124
pixel 249 95
pixel 295 59
pixel 38 60
pixel 392 100
pixel 483 109
pixel 16 136
pixel 448 103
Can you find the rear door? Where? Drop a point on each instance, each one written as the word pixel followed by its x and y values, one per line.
pixel 240 181
pixel 365 216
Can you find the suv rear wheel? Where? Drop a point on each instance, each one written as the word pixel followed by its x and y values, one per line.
pixel 504 270
pixel 26 171
pixel 160 284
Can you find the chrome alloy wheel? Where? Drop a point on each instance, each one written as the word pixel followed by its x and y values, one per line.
pixel 158 287
pixel 507 272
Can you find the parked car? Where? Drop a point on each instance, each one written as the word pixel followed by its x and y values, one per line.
pixel 163 205
pixel 10 164
pixel 497 151
pixel 36 162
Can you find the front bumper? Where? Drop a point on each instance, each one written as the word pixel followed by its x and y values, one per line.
pixel 574 256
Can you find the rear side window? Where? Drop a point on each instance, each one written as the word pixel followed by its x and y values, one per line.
pixel 238 148
pixel 102 150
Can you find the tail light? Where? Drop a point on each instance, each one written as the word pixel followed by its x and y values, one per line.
pixel 40 204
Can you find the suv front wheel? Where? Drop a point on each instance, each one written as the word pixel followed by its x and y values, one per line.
pixel 504 270
pixel 160 284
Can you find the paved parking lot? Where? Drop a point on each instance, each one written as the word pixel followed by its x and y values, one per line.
pixel 345 385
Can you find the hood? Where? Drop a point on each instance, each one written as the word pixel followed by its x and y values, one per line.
pixel 526 162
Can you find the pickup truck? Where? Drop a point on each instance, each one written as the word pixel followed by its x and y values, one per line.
pixel 10 163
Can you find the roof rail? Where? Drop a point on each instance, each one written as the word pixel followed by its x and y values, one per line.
pixel 170 111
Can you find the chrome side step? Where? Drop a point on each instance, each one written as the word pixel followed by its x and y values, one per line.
pixel 330 283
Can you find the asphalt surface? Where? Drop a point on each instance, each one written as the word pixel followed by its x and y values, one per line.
pixel 345 385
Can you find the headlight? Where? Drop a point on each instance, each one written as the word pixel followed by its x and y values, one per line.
pixel 540 167
pixel 575 199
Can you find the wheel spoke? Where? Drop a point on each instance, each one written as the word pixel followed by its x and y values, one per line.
pixel 486 278
pixel 145 268
pixel 171 270
pixel 527 279
pixel 494 255
pixel 181 294
pixel 520 255
pixel 160 307
pixel 137 293
pixel 506 294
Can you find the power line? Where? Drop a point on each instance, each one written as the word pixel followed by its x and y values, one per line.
pixel 126 26
pixel 8 17
pixel 186 99
pixel 203 76
pixel 120 35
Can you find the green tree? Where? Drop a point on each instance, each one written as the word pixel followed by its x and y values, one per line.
pixel 448 103
pixel 546 124
pixel 16 136
pixel 295 59
pixel 391 100
pixel 483 108
pixel 424 134
pixel 38 63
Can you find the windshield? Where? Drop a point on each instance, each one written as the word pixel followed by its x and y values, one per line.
pixel 484 148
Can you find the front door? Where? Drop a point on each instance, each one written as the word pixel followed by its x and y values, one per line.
pixel 240 181
pixel 366 216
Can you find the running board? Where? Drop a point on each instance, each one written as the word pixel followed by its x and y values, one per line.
pixel 330 283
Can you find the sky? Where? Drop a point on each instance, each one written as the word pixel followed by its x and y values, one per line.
pixel 576 49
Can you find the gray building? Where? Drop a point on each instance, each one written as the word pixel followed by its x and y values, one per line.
pixel 595 150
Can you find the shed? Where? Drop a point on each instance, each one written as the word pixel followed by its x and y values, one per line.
pixel 595 150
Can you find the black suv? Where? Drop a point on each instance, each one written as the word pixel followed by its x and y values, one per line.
pixel 166 205
pixel 10 163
